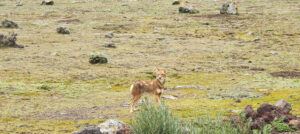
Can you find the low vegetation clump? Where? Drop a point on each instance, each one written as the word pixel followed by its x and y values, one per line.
pixel 63 30
pixel 283 127
pixel 156 120
pixel 45 87
pixel 9 40
pixel 97 58
pixel 153 119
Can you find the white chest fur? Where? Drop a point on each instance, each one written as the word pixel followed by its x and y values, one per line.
pixel 160 90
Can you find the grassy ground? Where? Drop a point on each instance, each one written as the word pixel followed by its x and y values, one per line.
pixel 49 86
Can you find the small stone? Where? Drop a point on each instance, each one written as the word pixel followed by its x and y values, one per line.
pixel 250 33
pixel 263 90
pixel 238 101
pixel 294 123
pixel 197 69
pixel 109 35
pixel 249 61
pixel 206 23
pixel 9 24
pixel 110 45
pixel 229 8
pixel 54 54
pixel 176 2
pixel 155 31
pixel 47 2
pixel 63 30
pixel 161 38
pixel 19 3
pixel 201 87
pixel 187 9
pixel 170 97
pixel 256 39
pixel 274 52
pixel 24 125
pixel 187 86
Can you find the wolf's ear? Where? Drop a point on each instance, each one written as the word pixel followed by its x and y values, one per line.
pixel 166 71
pixel 156 69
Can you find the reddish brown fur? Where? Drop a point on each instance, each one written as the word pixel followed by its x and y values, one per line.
pixel 155 87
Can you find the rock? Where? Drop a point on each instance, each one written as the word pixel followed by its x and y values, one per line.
pixel 274 52
pixel 291 117
pixel 268 113
pixel 263 90
pixel 96 58
pixel 47 2
pixel 176 2
pixel 23 125
pixel 250 33
pixel 79 1
pixel 229 8
pixel 188 86
pixel 89 130
pixel 109 35
pixel 9 41
pixel 19 3
pixel 268 117
pixel 63 30
pixel 112 126
pixel 258 123
pixel 231 79
pixel 286 107
pixel 249 112
pixel 197 69
pixel 187 9
pixel 294 123
pixel 266 107
pixel 155 31
pixel 169 97
pixel 54 54
pixel 256 39
pixel 161 38
pixel 110 45
pixel 9 24
pixel 238 101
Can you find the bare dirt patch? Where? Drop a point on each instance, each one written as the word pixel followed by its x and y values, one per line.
pixel 286 74
pixel 257 69
pixel 68 21
pixel 231 17
pixel 240 67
